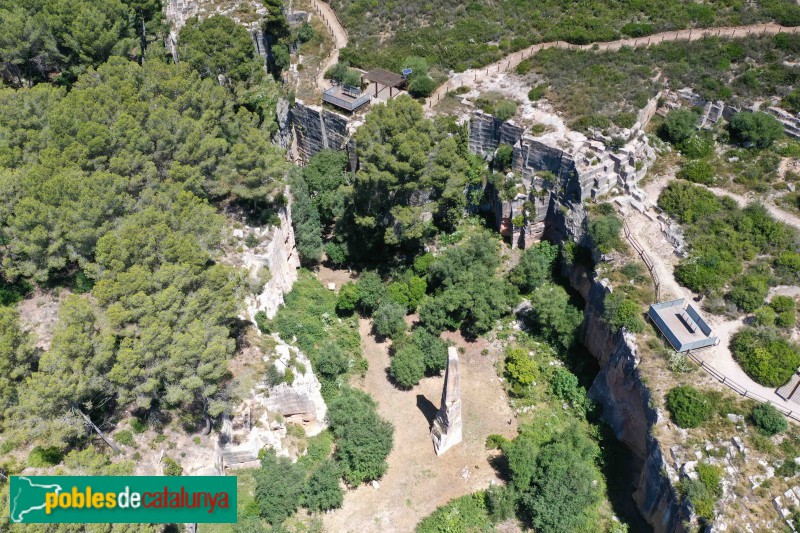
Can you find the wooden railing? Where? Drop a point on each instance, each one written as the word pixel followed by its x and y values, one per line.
pixel 651 267
pixel 739 389
pixel 511 61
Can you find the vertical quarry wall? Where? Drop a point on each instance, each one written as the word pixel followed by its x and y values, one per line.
pixel 317 129
pixel 619 387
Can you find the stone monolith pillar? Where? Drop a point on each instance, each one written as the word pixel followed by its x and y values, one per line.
pixel 446 430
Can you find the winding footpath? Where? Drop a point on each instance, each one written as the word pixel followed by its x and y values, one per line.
pixel 339 34
pixel 510 62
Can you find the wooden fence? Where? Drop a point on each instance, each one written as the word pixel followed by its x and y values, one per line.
pixel 739 389
pixel 651 267
pixel 514 59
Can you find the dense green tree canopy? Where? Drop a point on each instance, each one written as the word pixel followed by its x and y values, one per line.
pixel 363 438
pixel 467 292
pixel 412 174
pixel 217 47
pixel 757 129
pixel 110 185
pixel 38 37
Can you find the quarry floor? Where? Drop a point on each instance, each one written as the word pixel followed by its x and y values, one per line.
pixel 417 481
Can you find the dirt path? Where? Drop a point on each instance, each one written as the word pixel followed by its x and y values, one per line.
pixel 776 212
pixel 511 61
pixel 417 481
pixel 326 13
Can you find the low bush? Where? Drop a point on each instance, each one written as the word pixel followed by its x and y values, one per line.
pixel 171 467
pixel 520 370
pixel 704 491
pixel 622 312
pixel 768 420
pixel 407 366
pixel 765 356
pixel 755 129
pixel 698 171
pixel 43 457
pixel 124 437
pixel 605 232
pixel 688 406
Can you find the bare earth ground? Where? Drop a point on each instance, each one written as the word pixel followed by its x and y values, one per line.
pixel 417 481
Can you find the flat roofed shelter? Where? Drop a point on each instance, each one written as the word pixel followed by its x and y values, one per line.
pixel 379 76
pixel 682 325
pixel 346 97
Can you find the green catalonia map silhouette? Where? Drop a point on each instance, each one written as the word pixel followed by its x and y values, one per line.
pixel 29 498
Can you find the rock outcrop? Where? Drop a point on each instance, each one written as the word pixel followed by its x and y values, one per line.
pixel 572 168
pixel 276 253
pixel 301 400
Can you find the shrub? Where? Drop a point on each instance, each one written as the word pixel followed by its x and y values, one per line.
pixel 422 263
pixel 604 231
pixel 688 406
pixel 768 420
pixel 502 157
pixel 500 503
pixel 537 92
pixel 564 386
pixel 371 292
pixel 698 145
pixel 124 437
pixel 262 322
pixel 625 119
pixel 535 267
pixel 765 316
pixel 782 303
pixel 786 319
pixel 408 366
pixel 765 356
pixel 43 457
pixel 520 370
pixel 679 125
pixel 363 439
pixel 348 298
pixel 757 129
pixel 279 487
pixel 434 351
pixel 467 513
pixel 171 467
pixel 621 312
pixel 704 491
pixel 698 171
pixel 322 491
pixel 748 292
pixel 505 109
pixel 138 425
pixel 421 87
pixel 388 320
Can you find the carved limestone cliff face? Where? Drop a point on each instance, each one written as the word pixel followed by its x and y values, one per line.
pixel 301 401
pixel 274 257
pixel 619 387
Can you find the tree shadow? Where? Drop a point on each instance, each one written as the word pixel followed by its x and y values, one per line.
pixel 428 409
